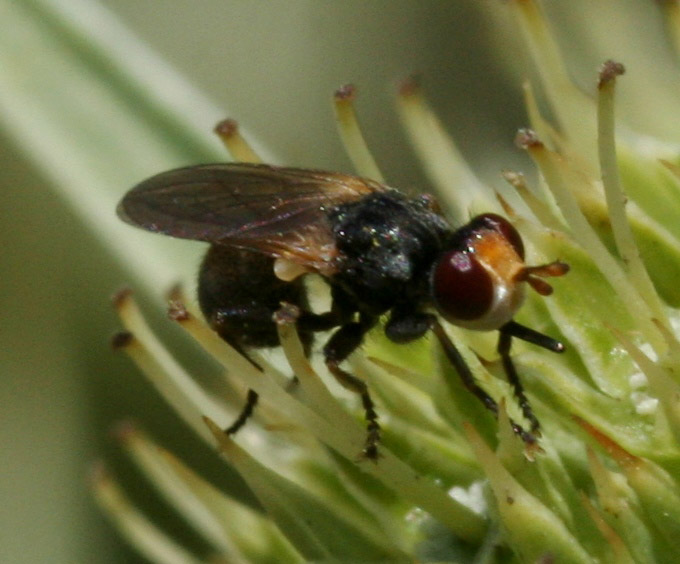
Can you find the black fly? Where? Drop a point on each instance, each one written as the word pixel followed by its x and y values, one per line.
pixel 380 251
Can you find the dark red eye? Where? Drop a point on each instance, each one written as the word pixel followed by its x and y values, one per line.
pixel 461 287
pixel 505 228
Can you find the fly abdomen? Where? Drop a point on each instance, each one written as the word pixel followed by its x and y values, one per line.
pixel 238 293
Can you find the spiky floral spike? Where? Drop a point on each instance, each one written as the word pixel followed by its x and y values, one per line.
pixel 351 135
pixel 454 181
pixel 587 145
pixel 453 484
pixel 550 502
pixel 139 531
pixel 239 149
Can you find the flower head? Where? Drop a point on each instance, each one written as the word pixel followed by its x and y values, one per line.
pixel 453 482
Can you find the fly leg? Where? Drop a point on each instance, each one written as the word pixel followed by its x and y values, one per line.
pixel 307 324
pixel 531 336
pixel 251 398
pixel 506 333
pixel 342 311
pixel 504 344
pixel 341 344
pixel 402 328
pixel 468 379
pixel 246 412
pixel 238 292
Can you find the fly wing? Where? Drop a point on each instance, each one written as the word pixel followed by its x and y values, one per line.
pixel 281 212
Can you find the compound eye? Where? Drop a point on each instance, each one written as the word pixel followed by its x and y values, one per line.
pixel 506 229
pixel 461 287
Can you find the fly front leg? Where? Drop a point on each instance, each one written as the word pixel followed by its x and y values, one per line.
pixel 408 326
pixel 504 344
pixel 458 362
pixel 405 327
pixel 341 344
pixel 532 336
pixel 507 332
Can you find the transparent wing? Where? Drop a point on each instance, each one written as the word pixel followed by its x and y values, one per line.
pixel 278 211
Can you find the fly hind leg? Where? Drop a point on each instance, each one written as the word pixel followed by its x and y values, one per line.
pixel 238 293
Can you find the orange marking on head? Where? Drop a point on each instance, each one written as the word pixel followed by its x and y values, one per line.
pixel 498 255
